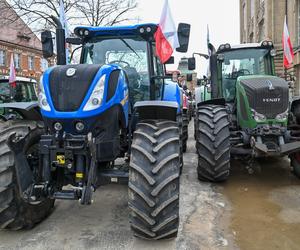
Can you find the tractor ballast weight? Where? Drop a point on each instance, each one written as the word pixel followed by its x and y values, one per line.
pixel 248 112
pixel 114 104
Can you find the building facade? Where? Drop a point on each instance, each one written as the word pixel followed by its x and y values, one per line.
pixel 18 40
pixel 263 20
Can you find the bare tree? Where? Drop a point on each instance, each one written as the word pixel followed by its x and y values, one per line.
pixel 105 12
pixel 37 13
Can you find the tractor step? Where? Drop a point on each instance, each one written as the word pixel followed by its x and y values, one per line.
pixel 114 176
pixel 66 195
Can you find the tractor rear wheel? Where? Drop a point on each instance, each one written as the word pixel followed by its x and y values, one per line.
pixel 16 212
pixel 154 180
pixel 213 143
pixel 185 134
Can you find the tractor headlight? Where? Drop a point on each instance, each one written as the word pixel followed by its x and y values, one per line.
pixel 42 99
pixel 96 97
pixel 257 116
pixel 283 116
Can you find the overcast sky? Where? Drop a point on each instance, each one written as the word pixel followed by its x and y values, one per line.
pixel 222 16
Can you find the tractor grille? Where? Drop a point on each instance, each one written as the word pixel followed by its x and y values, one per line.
pixel 268 96
pixel 68 92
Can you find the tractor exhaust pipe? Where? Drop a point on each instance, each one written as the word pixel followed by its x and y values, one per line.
pixel 60 42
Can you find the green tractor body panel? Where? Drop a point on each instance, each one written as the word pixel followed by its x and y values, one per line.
pixel 246 113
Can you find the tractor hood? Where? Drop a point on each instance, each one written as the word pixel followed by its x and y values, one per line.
pixel 79 91
pixel 69 85
pixel 267 95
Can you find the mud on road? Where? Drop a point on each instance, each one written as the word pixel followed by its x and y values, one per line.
pixel 258 211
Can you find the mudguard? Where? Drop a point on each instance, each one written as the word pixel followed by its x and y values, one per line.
pixel 166 110
pixel 28 110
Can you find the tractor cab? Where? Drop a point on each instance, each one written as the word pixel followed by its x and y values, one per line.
pixel 132 49
pixel 243 60
pixel 24 90
pixel 22 93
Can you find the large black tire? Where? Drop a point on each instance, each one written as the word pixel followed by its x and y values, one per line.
pixel 185 129
pixel 15 212
pixel 179 122
pixel 154 180
pixel 213 143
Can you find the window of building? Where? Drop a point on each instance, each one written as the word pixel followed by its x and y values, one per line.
pixel 252 8
pixel 245 16
pixel 261 31
pixel 298 22
pixel 17 60
pixel 2 58
pixel 44 64
pixel 30 62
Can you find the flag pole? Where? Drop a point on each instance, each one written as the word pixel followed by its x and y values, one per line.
pixel 286 18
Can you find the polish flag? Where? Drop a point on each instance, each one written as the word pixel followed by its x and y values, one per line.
pixel 166 35
pixel 12 72
pixel 287 47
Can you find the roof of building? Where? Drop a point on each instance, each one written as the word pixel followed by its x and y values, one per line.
pixel 14 30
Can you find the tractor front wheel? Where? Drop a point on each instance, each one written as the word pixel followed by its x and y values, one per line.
pixel 185 129
pixel 154 179
pixel 15 211
pixel 213 143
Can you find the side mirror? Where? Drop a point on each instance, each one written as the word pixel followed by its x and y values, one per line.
pixel 47 44
pixel 189 77
pixel 191 63
pixel 170 61
pixel 183 33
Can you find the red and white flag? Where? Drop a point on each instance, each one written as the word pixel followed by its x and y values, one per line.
pixel 288 54
pixel 166 35
pixel 12 72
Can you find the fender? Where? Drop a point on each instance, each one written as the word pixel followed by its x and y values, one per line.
pixel 28 110
pixel 156 110
pixel 216 101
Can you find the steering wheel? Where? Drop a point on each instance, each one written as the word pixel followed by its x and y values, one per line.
pixel 120 61
pixel 243 72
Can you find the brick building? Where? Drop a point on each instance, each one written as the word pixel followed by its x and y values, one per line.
pixel 18 39
pixel 263 19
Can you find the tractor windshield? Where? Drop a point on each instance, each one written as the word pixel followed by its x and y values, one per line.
pixel 242 62
pixel 128 53
pixel 21 92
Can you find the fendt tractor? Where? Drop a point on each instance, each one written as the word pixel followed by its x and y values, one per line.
pixel 114 104
pixel 244 111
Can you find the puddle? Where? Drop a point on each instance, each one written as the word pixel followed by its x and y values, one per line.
pixel 265 206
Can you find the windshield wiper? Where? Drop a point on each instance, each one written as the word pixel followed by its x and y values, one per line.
pixel 128 46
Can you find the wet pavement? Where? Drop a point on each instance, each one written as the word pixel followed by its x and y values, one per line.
pixel 265 205
pixel 258 211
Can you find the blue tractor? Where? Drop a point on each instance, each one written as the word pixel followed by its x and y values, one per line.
pixel 113 105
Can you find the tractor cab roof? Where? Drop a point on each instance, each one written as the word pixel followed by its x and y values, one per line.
pixel 18 79
pixel 227 47
pixel 146 31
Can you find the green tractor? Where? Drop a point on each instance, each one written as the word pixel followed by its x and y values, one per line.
pixel 20 99
pixel 244 111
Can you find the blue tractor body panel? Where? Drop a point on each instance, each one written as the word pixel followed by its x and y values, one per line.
pixel 129 30
pixel 120 97
pixel 172 93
